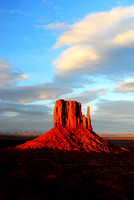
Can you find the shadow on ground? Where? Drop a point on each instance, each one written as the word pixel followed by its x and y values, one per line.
pixel 43 174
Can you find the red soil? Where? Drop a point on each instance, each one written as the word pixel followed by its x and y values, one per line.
pixel 70 139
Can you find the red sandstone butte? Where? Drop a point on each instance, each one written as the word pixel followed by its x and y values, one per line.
pixel 68 114
pixel 72 132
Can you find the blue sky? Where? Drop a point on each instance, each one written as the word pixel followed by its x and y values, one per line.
pixel 79 50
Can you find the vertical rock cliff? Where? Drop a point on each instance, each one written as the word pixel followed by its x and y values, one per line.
pixel 72 132
pixel 68 114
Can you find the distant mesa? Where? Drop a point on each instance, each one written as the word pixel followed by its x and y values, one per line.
pixel 21 133
pixel 72 132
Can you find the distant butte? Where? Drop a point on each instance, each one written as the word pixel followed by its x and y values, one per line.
pixel 72 132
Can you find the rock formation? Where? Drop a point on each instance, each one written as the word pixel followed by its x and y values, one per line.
pixel 72 132
pixel 68 114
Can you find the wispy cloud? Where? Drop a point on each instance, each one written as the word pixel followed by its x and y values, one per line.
pixel 18 104
pixel 19 12
pixel 23 109
pixel 115 116
pixel 87 95
pixel 126 86
pixel 56 26
pixel 25 94
pixel 24 117
pixel 8 76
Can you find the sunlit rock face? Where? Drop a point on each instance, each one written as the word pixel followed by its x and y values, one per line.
pixel 68 114
pixel 72 132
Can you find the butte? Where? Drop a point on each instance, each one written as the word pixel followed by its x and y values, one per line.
pixel 72 132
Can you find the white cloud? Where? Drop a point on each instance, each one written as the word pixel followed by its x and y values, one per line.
pixel 74 58
pixel 126 38
pixel 23 76
pixel 10 114
pixel 93 42
pixel 126 86
pixel 121 83
pixel 94 25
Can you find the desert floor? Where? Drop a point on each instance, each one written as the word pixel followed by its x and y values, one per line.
pixel 43 174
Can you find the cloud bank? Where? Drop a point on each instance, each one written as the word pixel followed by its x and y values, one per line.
pixel 94 41
pixel 114 116
pixel 98 47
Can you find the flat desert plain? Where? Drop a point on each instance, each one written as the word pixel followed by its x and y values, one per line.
pixel 43 174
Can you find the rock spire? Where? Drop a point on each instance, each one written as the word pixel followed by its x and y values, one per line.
pixel 68 114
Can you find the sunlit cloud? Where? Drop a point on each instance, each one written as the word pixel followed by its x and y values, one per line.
pixel 75 58
pixel 93 41
pixel 26 94
pixel 126 38
pixel 94 25
pixel 43 96
pixel 9 91
pixel 101 45
pixel 126 86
